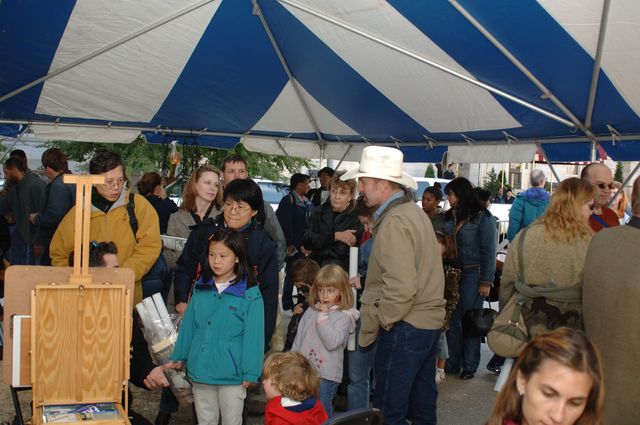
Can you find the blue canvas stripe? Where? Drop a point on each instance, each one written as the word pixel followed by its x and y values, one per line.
pixel 30 32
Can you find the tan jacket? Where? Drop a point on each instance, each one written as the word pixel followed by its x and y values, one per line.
pixel 611 299
pixel 405 279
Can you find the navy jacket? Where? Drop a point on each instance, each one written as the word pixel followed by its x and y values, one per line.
pixel 292 216
pixel 263 257
pixel 319 235
pixel 164 207
pixel 59 198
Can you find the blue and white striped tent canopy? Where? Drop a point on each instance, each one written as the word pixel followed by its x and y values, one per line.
pixel 487 78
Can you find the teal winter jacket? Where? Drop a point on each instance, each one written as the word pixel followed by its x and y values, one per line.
pixel 222 335
pixel 528 206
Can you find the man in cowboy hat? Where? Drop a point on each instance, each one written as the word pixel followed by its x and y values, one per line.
pixel 402 305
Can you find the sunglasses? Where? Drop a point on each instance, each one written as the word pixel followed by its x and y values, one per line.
pixel 603 186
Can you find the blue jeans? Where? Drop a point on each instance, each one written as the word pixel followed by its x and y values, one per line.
pixel 464 353
pixel 328 389
pixel 360 365
pixel 405 368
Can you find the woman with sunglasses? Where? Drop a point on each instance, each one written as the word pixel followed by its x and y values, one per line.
pixel 554 249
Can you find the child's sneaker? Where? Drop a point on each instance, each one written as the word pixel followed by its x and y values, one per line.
pixel 440 376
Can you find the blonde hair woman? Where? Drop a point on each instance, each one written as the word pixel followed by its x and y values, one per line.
pixel 553 254
pixel 556 379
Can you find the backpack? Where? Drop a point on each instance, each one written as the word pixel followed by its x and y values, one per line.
pixel 158 276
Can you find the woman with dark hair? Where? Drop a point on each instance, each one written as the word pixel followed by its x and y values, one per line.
pixel 242 205
pixel 557 379
pixel 431 198
pixel 334 227
pixel 150 186
pixel 474 231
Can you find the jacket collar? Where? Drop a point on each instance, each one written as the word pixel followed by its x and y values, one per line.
pixel 403 199
pixel 239 288
pixel 634 221
pixel 99 203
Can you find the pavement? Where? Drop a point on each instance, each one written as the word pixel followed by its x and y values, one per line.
pixel 459 402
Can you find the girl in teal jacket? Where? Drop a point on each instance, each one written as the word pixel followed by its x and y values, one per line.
pixel 222 335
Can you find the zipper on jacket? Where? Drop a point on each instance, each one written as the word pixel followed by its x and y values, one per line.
pixel 233 361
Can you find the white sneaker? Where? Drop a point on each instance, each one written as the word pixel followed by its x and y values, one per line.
pixel 440 376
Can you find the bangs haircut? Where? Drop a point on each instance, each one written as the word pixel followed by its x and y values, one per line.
pixel 238 245
pixel 190 193
pixel 332 276
pixel 106 160
pixel 293 375
pixel 246 190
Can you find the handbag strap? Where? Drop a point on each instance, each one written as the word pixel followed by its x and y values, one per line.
pixel 521 254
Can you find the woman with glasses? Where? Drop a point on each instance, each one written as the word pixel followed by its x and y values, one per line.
pixel 243 209
pixel 334 227
pixel 554 248
pixel 474 230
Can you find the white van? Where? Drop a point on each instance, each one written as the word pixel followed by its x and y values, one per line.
pixel 425 182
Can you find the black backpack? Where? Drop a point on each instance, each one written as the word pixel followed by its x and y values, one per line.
pixel 160 269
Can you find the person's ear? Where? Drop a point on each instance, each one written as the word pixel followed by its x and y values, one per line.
pixel 521 383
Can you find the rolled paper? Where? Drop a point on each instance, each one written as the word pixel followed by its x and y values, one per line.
pixel 142 312
pixel 505 370
pixel 155 322
pixel 353 261
pixel 162 312
pixel 353 271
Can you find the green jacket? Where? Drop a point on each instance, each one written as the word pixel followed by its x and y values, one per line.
pixel 222 335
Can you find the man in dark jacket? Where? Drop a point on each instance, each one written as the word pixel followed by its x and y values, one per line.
pixel 59 198
pixel 25 197
pixel 293 212
pixel 320 195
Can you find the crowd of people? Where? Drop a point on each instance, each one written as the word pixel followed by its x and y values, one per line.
pixel 419 273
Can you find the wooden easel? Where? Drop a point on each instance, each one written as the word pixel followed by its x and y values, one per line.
pixel 80 324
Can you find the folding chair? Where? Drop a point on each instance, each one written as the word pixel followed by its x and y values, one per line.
pixel 366 415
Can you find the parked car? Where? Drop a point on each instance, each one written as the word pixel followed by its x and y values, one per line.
pixel 272 191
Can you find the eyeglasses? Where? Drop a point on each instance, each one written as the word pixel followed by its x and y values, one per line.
pixel 341 192
pixel 115 183
pixel 236 207
pixel 603 186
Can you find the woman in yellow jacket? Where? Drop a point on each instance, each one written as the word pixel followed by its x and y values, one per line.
pixel 110 222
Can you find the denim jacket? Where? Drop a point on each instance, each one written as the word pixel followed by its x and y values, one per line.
pixel 476 243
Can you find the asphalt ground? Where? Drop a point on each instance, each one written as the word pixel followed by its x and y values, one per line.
pixel 459 402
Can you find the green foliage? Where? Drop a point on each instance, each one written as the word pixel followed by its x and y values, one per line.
pixel 619 175
pixel 142 157
pixel 493 181
pixel 431 172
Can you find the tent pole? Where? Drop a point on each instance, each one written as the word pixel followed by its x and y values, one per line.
pixel 346 152
pixel 593 149
pixel 282 148
pixel 545 91
pixel 626 181
pixel 286 68
pixel 431 63
pixel 106 48
pixel 20 136
pixel 546 158
pixel 598 61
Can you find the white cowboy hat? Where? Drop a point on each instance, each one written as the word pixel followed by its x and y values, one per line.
pixel 383 163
